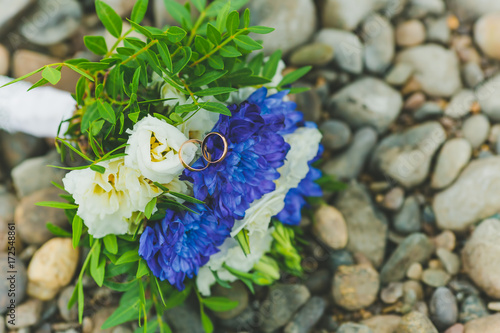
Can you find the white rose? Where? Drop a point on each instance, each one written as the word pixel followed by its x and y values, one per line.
pixel 167 91
pixel 232 255
pixel 198 125
pixel 153 148
pixel 304 145
pixel 107 200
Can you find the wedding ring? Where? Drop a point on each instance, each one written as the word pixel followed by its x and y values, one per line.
pixel 206 154
pixel 184 164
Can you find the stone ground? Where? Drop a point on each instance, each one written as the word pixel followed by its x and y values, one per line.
pixel 405 92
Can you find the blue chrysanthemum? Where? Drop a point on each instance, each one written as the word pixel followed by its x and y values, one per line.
pixel 182 242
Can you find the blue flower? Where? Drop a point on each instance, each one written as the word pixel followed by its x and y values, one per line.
pixel 181 243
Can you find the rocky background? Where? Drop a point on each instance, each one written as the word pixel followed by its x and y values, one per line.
pixel 407 95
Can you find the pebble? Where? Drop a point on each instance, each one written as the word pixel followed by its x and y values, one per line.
pixel 488 324
pixel 473 197
pixel 393 200
pixel 348 164
pixel 51 268
pixel 99 317
pixel 436 69
pixel 28 314
pixel 4 59
pixel 473 74
pixel 489 99
pixel 406 156
pixel 438 30
pixel 345 14
pixel 62 303
pixel 450 261
pixel 407 220
pixel 307 316
pixel 330 227
pixel 410 33
pixel 367 102
pixel 460 104
pixel 445 240
pixel 470 10
pixel 383 323
pixel 238 293
pixel 354 328
pixel 294 21
pixel 318 281
pixel 366 225
pixel 16 147
pixel 51 21
pixel 336 134
pixel 421 8
pixel 476 129
pixel 472 307
pixel 355 287
pixel 443 308
pixel 347 47
pixel 416 322
pixel 392 293
pixel 8 204
pixel 486 34
pixel 378 36
pixel 5 285
pixel 415 271
pixel 11 10
pixel 308 102
pixel 428 110
pixel 339 258
pixel 452 158
pixel 435 277
pixel 22 175
pixel 457 328
pixel 247 319
pixel 315 54
pixel 415 248
pixel 280 305
pixel 494 306
pixel 414 288
pixel 31 220
pixel 399 74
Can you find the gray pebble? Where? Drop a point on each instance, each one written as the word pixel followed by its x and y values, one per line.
pixel 399 74
pixel 315 54
pixel 472 307
pixel 378 36
pixel 427 111
pixel 336 134
pixel 443 308
pixel 435 277
pixel 452 158
pixel 354 328
pixel 476 130
pixel 473 74
pixel 307 316
pixel 407 220
pixel 347 48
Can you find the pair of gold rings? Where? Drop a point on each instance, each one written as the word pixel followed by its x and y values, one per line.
pixel 206 155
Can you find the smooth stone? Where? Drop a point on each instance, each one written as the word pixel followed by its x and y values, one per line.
pixel 282 302
pixel 294 21
pixel 445 240
pixel 2 324
pixel 415 248
pixel 99 317
pixel 476 129
pixel 383 323
pixel 318 281
pixel 453 157
pixel 457 328
pixel 443 308
pixel 330 227
pixel 480 257
pixel 366 225
pixel 345 14
pixel 392 293
pixel 184 318
pixel 438 30
pixel 428 110
pixel 307 316
pixel 355 287
pixel 339 258
pixel 367 102
pixel 415 271
pixel 393 200
pixel 31 220
pixel 486 34
pixel 473 74
pixel 308 102
pixel 469 10
pixel 489 324
pixel 399 74
pixel 4 60
pixel 415 288
pixel 11 10
pixel 51 268
pixel 436 68
pixel 8 204
pixel 51 21
pixel 22 175
pixel 406 156
pixel 472 307
pixel 354 328
pixel 407 220
pixel 315 54
pixel 460 104
pixel 410 33
pixel 435 277
pixel 347 165
pixel 474 196
pixel 347 47
pixel 422 8
pixel 450 261
pixel 245 320
pixel 488 98
pixel 237 293
pixel 379 50
pixel 17 147
pixel 494 306
pixel 62 303
pixel 5 285
pixel 336 134
pixel 416 322
pixel 28 314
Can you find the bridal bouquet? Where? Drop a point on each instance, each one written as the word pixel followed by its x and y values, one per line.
pixel 195 163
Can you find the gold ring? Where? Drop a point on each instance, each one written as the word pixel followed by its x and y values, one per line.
pixel 184 164
pixel 206 154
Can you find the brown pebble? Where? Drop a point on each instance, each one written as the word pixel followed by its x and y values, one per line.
pixel 445 240
pixel 411 86
pixel 457 328
pixel 415 271
pixel 415 101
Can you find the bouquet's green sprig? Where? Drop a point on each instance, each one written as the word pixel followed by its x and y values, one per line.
pixel 285 247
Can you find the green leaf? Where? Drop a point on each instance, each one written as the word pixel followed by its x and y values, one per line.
pixel 206 323
pixel 98 168
pixel 199 4
pixel 39 83
pixel 77 227
pixel 80 90
pixel 109 18
pixel 79 71
pixel 80 301
pixel 124 313
pixel 97 126
pixel 141 29
pixel 199 70
pixel 134 116
pixel 208 78
pixel 142 269
pixel 56 204
pixel 179 13
pixel 294 76
pixel 260 29
pixel 247 43
pixel 129 256
pixel 176 34
pixel 111 244
pixel 271 65
pixel 213 34
pixel 94 66
pixel 91 113
pixel 229 51
pixel 201 45
pixel 106 111
pixel 165 55
pixel 99 272
pixel 256 63
pixel 233 22
pixel 222 283
pixel 180 64
pixel 246 18
pixel 217 108
pixel 216 62
pixel 51 74
pixel 24 76
pixel 298 90
pixel 150 207
pixel 96 44
pixel 177 297
pixel 57 231
pixel 120 286
pixel 220 23
pixel 253 80
pixel 186 197
pixel 186 108
pixel 139 10
pixel 244 241
pixel 214 91
pixel 152 326
pixel 219 304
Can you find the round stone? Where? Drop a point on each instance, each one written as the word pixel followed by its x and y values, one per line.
pixel 329 226
pixel 410 33
pixel 487 35
pixel 355 287
pixel 336 134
